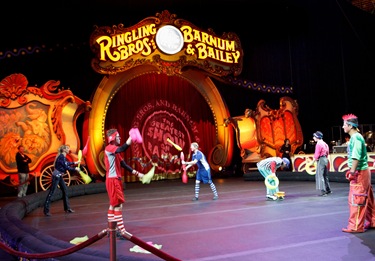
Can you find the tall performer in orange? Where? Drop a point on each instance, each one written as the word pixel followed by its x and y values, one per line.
pixel 361 196
pixel 114 184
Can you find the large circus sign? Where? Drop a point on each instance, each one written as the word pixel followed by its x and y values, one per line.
pixel 167 42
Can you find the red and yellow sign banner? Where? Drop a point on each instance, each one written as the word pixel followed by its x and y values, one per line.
pixel 169 44
pixel 337 162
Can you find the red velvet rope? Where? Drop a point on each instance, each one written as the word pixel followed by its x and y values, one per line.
pixel 55 253
pixel 86 243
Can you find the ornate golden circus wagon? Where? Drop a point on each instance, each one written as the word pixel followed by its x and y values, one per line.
pixel 261 133
pixel 41 119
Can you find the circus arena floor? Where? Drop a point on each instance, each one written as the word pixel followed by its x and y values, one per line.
pixel 240 225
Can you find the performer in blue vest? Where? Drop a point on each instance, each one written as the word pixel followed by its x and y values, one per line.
pixel 203 172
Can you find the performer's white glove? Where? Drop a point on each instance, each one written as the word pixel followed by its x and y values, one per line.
pixel 78 169
pixel 138 174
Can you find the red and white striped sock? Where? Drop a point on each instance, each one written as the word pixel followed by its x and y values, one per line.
pixel 120 222
pixel 111 215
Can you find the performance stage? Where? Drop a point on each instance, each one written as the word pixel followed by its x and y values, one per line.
pixel 240 225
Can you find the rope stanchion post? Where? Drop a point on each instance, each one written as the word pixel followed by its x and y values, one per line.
pixel 112 240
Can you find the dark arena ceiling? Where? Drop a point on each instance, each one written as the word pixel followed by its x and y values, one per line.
pixel 322 48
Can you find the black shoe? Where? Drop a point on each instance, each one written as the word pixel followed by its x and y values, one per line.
pixel 195 199
pixel 69 211
pixel 329 192
pixel 47 214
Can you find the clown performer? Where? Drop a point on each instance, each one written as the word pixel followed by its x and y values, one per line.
pixel 361 196
pixel 203 172
pixel 321 157
pixel 114 184
pixel 267 167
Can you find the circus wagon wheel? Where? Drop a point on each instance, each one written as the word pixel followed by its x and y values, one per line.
pixel 45 179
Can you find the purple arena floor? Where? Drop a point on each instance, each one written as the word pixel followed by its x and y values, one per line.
pixel 240 225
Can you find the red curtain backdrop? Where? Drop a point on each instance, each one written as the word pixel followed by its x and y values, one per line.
pixel 161 107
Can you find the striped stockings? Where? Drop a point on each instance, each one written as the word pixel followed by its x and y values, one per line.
pixel 120 221
pixel 212 186
pixel 116 216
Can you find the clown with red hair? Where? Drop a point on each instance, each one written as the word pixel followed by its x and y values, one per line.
pixel 361 196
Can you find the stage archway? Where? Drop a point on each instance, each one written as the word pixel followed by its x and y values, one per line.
pixel 220 155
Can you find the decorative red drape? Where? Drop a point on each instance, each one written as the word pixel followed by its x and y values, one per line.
pixel 161 106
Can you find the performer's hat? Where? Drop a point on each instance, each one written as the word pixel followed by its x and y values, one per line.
pixel 351 119
pixel 318 135
pixel 112 136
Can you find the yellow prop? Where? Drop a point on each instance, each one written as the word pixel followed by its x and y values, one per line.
pixel 269 178
pixel 174 144
pixel 86 178
pixel 79 157
pixel 280 194
pixel 138 249
pixel 79 240
pixel 146 179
